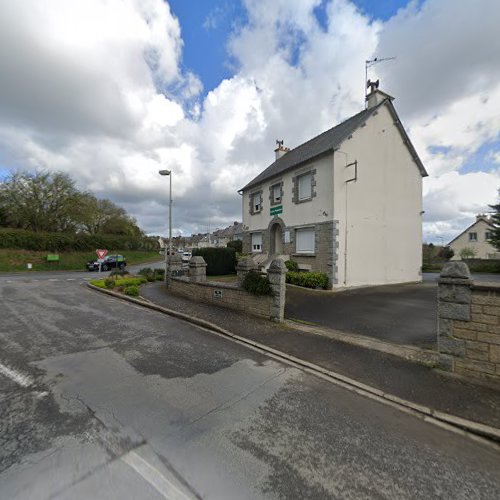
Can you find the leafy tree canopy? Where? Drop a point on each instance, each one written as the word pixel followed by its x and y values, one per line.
pixel 495 220
pixel 51 202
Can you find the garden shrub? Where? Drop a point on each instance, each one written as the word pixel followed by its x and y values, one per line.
pixel 308 280
pixel 159 274
pixel 291 265
pixel 109 283
pixel 257 283
pixel 236 245
pixel 219 260
pixel 132 290
pixel 115 273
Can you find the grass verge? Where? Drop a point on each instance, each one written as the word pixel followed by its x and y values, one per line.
pixel 17 260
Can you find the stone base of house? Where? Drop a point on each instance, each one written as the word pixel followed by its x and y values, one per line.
pixel 326 248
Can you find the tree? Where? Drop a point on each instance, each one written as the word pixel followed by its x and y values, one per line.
pixel 467 253
pixel 495 220
pixel 40 202
pixel 104 217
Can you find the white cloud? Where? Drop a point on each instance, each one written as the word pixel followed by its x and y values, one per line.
pixel 95 88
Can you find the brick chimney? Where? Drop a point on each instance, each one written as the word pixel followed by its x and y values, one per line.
pixel 280 150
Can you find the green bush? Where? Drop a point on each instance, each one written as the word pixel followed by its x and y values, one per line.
pixel 109 282
pixel 219 260
pixel 308 280
pixel 236 245
pixel 257 283
pixel 291 265
pixel 132 290
pixel 145 271
pixel 159 274
pixel 483 265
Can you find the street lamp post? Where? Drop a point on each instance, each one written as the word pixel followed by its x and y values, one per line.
pixel 169 253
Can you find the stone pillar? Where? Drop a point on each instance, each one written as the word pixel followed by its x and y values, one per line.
pixel 197 269
pixel 454 303
pixel 243 267
pixel 277 277
pixel 175 265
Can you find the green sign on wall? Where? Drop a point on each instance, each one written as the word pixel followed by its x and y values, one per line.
pixel 276 210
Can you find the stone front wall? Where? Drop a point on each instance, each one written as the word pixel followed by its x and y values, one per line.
pixel 326 248
pixel 469 324
pixel 232 296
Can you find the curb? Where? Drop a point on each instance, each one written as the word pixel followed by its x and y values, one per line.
pixel 476 431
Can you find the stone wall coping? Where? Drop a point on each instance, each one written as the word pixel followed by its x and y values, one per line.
pixel 209 284
pixel 486 285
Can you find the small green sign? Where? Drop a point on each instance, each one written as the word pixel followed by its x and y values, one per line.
pixel 276 210
pixel 53 257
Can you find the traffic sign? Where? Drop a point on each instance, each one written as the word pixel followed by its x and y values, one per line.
pixel 101 253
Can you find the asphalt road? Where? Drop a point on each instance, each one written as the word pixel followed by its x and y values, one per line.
pixel 103 399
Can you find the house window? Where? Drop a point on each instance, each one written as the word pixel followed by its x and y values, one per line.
pixel 472 236
pixel 305 186
pixel 255 203
pixel 304 240
pixel 488 235
pixel 256 242
pixel 276 192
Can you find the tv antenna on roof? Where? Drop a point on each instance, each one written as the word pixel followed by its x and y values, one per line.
pixel 368 64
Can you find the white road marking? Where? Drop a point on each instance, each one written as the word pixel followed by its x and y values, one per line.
pixel 154 477
pixel 53 279
pixel 19 378
pixel 70 279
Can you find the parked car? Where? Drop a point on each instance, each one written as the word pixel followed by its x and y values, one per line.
pixel 186 257
pixel 110 262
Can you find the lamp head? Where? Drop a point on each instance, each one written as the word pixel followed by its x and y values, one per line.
pixel 164 172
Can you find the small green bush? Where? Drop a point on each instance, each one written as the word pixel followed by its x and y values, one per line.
pixel 109 283
pixel 308 280
pixel 145 271
pixel 219 260
pixel 125 282
pixel 236 245
pixel 257 283
pixel 291 265
pixel 132 290
pixel 98 283
pixel 159 274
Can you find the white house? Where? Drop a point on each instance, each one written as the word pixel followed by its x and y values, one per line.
pixel 347 202
pixel 476 240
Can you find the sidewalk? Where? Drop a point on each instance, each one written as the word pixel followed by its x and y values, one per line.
pixel 407 380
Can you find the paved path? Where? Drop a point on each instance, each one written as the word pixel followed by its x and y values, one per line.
pixel 103 399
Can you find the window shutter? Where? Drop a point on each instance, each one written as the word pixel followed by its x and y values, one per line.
pixel 305 186
pixel 305 241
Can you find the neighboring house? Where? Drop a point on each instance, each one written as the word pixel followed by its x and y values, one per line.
pixel 222 237
pixel 347 202
pixel 476 239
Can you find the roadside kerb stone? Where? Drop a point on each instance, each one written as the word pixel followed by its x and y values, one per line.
pixel 485 434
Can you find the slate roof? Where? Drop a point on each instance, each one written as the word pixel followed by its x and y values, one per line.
pixel 328 141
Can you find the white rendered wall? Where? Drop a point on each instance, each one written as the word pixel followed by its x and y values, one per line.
pixel 380 221
pixel 319 209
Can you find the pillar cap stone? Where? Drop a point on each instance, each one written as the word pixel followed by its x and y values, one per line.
pixel 277 266
pixel 246 264
pixel 197 261
pixel 456 270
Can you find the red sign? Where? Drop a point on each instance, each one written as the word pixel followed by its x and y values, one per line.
pixel 101 253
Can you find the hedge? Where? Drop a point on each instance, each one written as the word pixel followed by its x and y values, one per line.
pixel 308 280
pixel 257 283
pixel 29 240
pixel 219 260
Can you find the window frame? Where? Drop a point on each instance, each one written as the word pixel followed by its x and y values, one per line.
pixel 299 178
pixel 252 244
pixel 299 230
pixel 253 196
pixel 472 236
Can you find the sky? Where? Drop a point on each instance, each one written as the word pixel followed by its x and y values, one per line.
pixel 111 91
